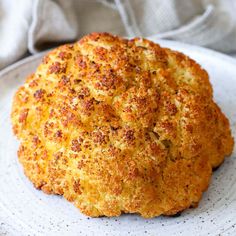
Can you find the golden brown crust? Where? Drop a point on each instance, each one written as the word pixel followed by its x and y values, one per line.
pixel 118 125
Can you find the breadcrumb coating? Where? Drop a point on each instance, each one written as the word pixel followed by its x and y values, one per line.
pixel 120 126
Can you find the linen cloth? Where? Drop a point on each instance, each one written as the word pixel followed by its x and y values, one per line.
pixel 34 25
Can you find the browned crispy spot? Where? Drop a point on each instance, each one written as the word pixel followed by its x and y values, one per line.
pixel 76 147
pixel 57 68
pixel 39 94
pixel 99 137
pixel 129 136
pixel 23 115
pixel 76 186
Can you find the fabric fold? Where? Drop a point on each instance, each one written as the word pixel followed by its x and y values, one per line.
pixel 36 25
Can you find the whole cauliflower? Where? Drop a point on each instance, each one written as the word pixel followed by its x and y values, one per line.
pixel 120 126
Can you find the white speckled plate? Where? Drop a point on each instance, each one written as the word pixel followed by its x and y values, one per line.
pixel 27 211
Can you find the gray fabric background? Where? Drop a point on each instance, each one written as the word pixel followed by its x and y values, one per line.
pixel 35 25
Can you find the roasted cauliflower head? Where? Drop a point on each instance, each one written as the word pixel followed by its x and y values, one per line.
pixel 120 126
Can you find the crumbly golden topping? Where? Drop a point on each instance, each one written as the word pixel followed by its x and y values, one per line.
pixel 118 125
